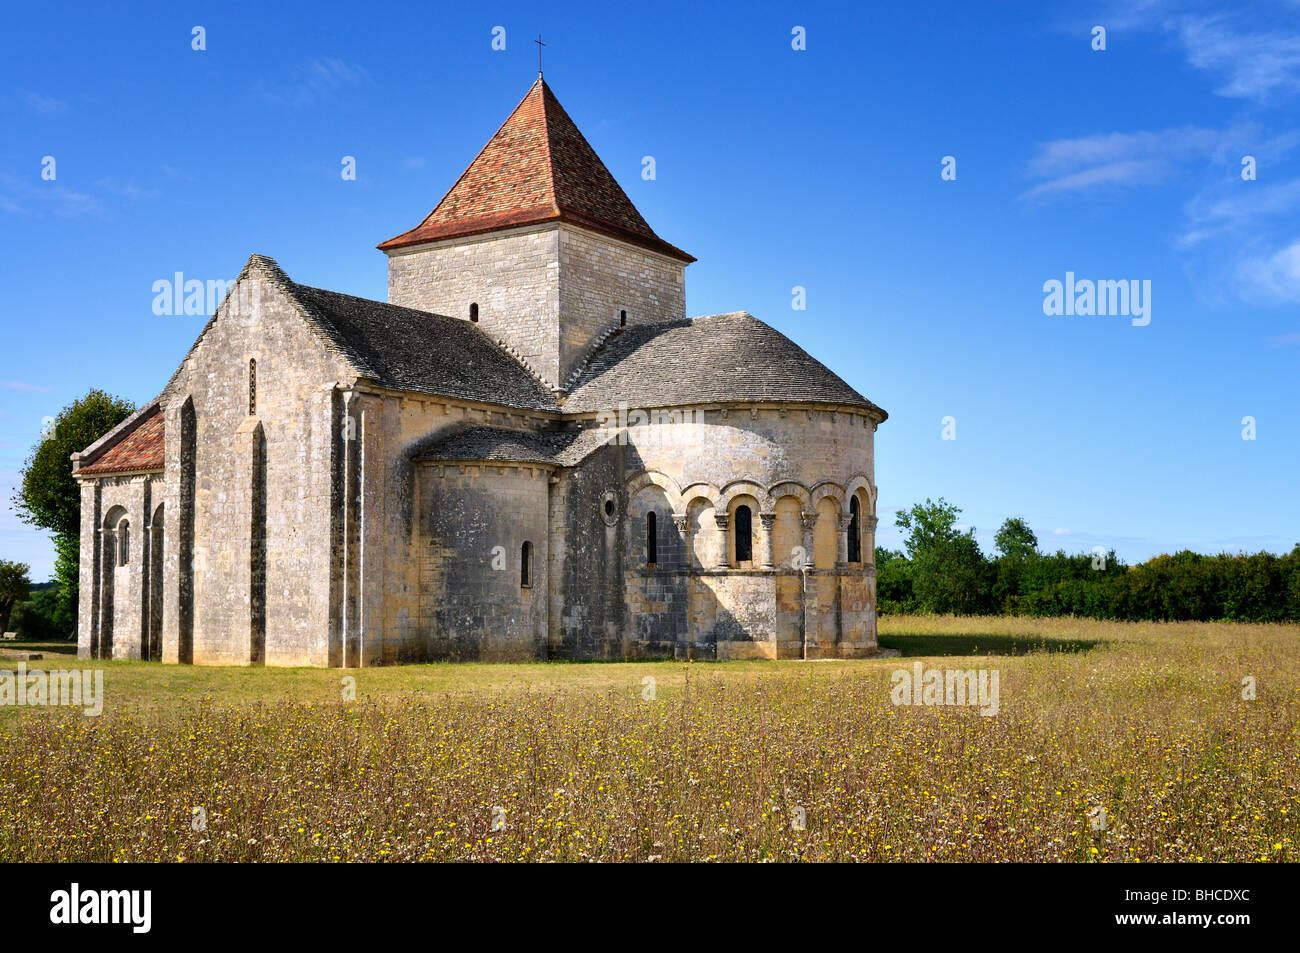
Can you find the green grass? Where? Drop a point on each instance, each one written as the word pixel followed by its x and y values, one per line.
pixel 1143 721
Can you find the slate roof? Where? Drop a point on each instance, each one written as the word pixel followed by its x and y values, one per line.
pixel 712 359
pixel 421 352
pixel 140 449
pixel 538 167
pixel 493 444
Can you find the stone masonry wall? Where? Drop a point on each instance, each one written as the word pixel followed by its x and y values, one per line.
pixel 296 374
pixel 513 277
pixel 474 522
pixel 548 291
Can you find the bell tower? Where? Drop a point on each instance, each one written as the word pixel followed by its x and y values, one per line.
pixel 538 245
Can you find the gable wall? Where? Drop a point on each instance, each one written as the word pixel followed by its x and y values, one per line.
pixel 295 374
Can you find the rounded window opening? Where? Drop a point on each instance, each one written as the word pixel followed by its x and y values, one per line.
pixel 744 535
pixel 622 319
pixel 473 312
pixel 123 543
pixel 525 560
pixel 855 531
pixel 651 539
pixel 609 507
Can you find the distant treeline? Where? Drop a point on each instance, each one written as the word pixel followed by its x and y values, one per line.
pixel 943 571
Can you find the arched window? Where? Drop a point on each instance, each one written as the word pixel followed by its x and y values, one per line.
pixel 525 558
pixel 744 535
pixel 622 319
pixel 651 538
pixel 123 543
pixel 252 386
pixel 473 312
pixel 855 530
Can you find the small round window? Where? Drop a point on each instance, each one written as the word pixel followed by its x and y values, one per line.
pixel 609 507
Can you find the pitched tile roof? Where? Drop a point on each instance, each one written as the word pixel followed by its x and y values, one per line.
pixel 537 168
pixel 565 448
pixel 713 359
pixel 141 449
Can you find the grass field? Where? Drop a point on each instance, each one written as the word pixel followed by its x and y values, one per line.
pixel 1113 742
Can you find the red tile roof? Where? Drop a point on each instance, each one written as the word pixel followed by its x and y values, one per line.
pixel 537 168
pixel 141 449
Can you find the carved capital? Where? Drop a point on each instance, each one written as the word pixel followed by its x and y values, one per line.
pixel 768 520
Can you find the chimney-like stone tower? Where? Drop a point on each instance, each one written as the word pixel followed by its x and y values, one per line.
pixel 538 244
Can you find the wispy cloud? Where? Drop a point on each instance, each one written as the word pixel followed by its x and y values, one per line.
pixel 20 196
pixel 1243 47
pixel 26 387
pixel 44 105
pixel 126 190
pixel 1282 340
pixel 1273 278
pixel 1253 65
pixel 1118 159
pixel 309 83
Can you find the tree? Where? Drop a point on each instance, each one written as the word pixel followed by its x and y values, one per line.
pixel 49 497
pixel 948 572
pixel 1015 540
pixel 15 584
pixel 928 524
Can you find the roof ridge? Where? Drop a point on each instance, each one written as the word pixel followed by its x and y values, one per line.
pixel 597 343
pixel 546 133
pixel 477 156
pixel 536 168
pixel 116 435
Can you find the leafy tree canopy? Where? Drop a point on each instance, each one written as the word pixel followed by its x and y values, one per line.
pixel 48 496
pixel 1015 540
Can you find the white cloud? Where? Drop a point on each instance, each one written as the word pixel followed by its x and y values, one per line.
pixel 1118 159
pixel 1253 65
pixel 24 197
pixel 26 387
pixel 44 105
pixel 1272 277
pixel 311 82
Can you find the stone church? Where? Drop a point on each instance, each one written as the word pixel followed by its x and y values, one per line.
pixel 528 452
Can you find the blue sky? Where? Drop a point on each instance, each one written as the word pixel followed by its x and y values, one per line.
pixel 777 168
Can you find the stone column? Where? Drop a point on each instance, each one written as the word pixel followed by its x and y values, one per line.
pixel 766 539
pixel 809 521
pixel 842 542
pixel 723 558
pixel 682 523
pixel 869 524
